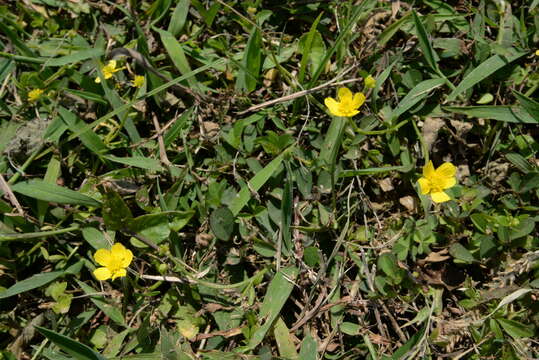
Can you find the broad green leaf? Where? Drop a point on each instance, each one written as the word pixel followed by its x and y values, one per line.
pixel 74 348
pixel 309 348
pixel 153 227
pixel 458 251
pixel 250 66
pixel 516 329
pixel 510 114
pixel 116 214
pixel 418 93
pixel 284 340
pixel 74 57
pixel 41 190
pixel 222 223
pixel 31 283
pixel 137 161
pixel 484 70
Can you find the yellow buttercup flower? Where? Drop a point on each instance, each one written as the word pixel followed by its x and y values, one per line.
pixel 348 104
pixel 108 70
pixel 35 94
pixel 369 82
pixel 114 262
pixel 435 181
pixel 138 81
pixel 536 52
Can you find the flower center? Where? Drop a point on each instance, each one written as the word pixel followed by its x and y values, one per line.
pixel 436 184
pixel 346 105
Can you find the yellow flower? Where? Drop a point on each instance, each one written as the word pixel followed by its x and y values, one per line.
pixel 434 182
pixel 370 82
pixel 348 104
pixel 138 81
pixel 536 52
pixel 114 262
pixel 108 70
pixel 35 94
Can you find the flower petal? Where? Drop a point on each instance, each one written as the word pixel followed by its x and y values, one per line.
pixel 112 64
pixel 103 257
pixel 424 185
pixel 102 273
pixel 333 106
pixel 446 170
pixel 343 93
pixel 97 80
pixel 449 182
pixel 439 197
pixel 428 170
pixel 359 99
pixel 126 259
pixel 119 273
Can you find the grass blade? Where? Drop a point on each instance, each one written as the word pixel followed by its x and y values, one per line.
pixel 428 52
pixel 252 58
pixel 510 114
pixel 41 190
pixel 418 93
pixel 74 348
pixel 484 70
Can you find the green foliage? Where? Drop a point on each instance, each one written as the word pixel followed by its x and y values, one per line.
pixel 260 226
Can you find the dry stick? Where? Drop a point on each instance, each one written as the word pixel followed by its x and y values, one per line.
pixel 12 198
pixel 160 141
pixel 297 95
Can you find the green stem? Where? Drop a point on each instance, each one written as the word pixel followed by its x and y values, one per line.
pixel 27 163
pixel 22 58
pixel 37 235
pixel 424 149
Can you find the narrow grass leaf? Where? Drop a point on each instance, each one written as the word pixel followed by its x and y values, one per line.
pixel 177 55
pixel 75 57
pixel 359 10
pixel 278 292
pixel 378 170
pixel 74 348
pixel 332 142
pixel 256 183
pixel 510 114
pixel 252 56
pixel 179 16
pixel 137 161
pixel 392 29
pixel 424 43
pixel 41 190
pixel 516 329
pixel 530 105
pixel 418 93
pixel 520 162
pixel 307 47
pixel 151 93
pixel 113 312
pixel 484 70
pixel 90 139
pixel 31 283
pixel 176 128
